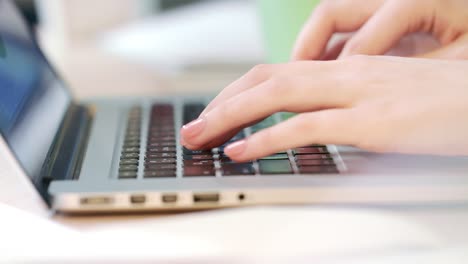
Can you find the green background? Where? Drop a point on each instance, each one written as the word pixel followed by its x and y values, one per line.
pixel 282 21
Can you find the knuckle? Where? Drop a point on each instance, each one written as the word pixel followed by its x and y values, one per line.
pixel 373 141
pixel 278 86
pixel 260 72
pixel 357 64
pixel 306 124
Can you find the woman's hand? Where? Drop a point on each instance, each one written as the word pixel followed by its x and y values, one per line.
pixel 382 104
pixel 381 24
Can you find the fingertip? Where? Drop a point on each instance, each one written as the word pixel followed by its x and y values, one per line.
pixel 236 150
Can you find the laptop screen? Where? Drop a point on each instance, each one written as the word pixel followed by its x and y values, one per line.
pixel 33 100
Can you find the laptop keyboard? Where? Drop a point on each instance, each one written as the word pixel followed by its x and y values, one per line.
pixel 130 154
pixel 161 151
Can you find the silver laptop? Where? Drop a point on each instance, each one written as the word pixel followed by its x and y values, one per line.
pixel 113 155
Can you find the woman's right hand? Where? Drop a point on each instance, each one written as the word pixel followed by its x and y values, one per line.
pixel 379 25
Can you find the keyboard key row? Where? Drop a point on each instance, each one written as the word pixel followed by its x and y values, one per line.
pixel 130 154
pixel 196 162
pixel 161 152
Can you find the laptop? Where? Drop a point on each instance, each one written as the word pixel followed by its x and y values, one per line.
pixel 121 155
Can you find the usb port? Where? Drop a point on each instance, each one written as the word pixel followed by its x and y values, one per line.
pixel 206 197
pixel 138 199
pixel 169 198
pixel 96 200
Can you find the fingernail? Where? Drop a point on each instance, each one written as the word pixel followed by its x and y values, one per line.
pixel 193 128
pixel 236 148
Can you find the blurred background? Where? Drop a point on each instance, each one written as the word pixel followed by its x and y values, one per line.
pixel 142 47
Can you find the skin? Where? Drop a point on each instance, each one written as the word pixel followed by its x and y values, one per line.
pixel 379 25
pixel 377 103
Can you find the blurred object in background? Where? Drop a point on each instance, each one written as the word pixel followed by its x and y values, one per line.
pixel 210 33
pixel 76 20
pixel 29 10
pixel 169 4
pixel 169 46
pixel 72 20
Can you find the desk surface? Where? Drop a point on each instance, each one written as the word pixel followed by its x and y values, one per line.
pixel 92 73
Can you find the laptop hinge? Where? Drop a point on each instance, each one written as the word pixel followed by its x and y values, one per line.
pixel 65 156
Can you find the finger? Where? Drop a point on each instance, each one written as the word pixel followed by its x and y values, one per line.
pixel 322 127
pixel 383 30
pixel 218 141
pixel 335 50
pixel 457 50
pixel 328 18
pixel 256 76
pixel 298 94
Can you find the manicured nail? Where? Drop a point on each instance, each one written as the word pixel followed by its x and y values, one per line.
pixel 236 148
pixel 193 128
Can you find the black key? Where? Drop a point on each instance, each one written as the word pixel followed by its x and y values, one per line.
pixel 198 157
pixel 133 124
pixel 192 111
pixel 161 155
pixel 315 162
pixel 160 174
pixel 134 117
pixel 129 139
pixel 276 157
pixel 131 144
pixel 196 152
pixel 131 150
pixel 238 169
pixel 198 162
pixel 128 175
pixel 162 139
pixel 155 135
pixel 129 162
pixel 227 161
pixel 160 129
pixel 129 156
pixel 161 144
pixel 311 150
pixel 133 134
pixel 191 171
pixel 128 168
pixel 164 166
pixel 132 129
pixel 312 156
pixel 318 169
pixel 161 149
pixel 275 166
pixel 160 161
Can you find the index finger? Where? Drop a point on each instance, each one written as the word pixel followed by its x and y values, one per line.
pixel 293 94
